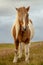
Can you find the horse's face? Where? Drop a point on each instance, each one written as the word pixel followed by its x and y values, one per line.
pixel 23 17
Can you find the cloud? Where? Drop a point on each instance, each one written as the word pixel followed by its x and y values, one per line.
pixel 7 7
pixel 8 13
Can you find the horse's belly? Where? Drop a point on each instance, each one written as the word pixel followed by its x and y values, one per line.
pixel 31 29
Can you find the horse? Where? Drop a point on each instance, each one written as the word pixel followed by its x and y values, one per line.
pixel 22 32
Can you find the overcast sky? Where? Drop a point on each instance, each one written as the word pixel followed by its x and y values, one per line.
pixel 8 15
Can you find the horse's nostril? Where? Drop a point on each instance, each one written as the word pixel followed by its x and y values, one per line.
pixel 25 29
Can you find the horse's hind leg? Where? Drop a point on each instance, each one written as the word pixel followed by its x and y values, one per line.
pixel 16 51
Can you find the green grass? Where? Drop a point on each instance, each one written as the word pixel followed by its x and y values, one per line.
pixel 6 45
pixel 7 54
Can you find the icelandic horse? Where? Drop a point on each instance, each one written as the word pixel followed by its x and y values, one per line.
pixel 22 32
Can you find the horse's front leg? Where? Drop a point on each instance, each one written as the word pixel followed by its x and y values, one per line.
pixel 20 51
pixel 16 51
pixel 27 52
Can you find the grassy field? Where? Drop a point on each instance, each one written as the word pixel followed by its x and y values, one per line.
pixel 7 54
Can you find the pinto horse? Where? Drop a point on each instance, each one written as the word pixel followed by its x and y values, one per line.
pixel 22 32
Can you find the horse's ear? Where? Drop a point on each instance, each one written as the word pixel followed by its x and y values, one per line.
pixel 28 8
pixel 17 9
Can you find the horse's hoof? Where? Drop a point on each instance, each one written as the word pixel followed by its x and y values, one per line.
pixel 27 60
pixel 19 57
pixel 15 60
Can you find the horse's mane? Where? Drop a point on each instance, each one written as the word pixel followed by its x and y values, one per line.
pixel 17 27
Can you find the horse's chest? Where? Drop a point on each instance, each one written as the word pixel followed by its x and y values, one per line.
pixel 24 36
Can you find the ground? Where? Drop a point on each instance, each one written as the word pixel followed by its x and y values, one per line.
pixel 7 54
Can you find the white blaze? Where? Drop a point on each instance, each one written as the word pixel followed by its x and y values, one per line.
pixel 23 23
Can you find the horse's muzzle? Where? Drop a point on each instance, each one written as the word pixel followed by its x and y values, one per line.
pixel 24 29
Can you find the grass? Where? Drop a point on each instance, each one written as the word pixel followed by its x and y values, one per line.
pixel 7 45
pixel 7 54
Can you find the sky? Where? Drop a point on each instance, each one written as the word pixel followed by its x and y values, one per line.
pixel 8 16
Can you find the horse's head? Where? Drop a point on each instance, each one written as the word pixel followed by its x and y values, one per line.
pixel 22 13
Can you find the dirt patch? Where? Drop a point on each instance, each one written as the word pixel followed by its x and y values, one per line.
pixel 6 51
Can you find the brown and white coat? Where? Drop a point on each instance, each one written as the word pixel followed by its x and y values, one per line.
pixel 22 36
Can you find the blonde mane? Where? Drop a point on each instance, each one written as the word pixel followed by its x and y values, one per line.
pixel 17 27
